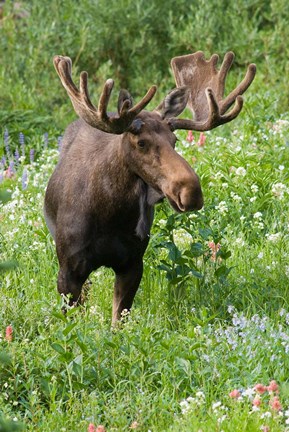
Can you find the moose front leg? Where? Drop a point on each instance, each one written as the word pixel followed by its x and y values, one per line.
pixel 125 288
pixel 70 285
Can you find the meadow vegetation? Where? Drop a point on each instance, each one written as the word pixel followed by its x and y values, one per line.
pixel 205 347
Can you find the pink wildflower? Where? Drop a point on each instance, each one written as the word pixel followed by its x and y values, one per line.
pixel 202 140
pixel 9 333
pixel 92 428
pixel 265 428
pixel 256 401
pixel 190 136
pixel 234 394
pixel 273 386
pixel 134 425
pixel 260 388
pixel 9 173
pixel 214 248
pixel 275 404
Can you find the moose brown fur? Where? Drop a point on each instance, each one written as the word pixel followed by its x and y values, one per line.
pixel 114 168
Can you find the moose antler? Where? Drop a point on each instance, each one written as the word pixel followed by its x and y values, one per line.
pixel 207 86
pixel 98 117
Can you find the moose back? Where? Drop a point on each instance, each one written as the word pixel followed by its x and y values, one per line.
pixel 113 169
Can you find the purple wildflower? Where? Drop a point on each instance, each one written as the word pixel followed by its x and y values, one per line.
pixel 24 179
pixel 11 167
pixel 3 161
pixel 22 143
pixel 31 156
pixel 17 156
pixel 6 141
pixel 45 139
pixel 59 142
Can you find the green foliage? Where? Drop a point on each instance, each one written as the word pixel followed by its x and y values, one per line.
pixel 133 43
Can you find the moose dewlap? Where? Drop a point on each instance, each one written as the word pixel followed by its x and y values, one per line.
pixel 114 167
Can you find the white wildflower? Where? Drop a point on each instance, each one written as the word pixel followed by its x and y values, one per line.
pixel 241 172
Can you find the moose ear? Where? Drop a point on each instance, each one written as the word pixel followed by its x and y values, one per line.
pixel 125 101
pixel 174 103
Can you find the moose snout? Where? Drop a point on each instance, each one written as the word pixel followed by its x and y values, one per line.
pixel 190 198
pixel 185 195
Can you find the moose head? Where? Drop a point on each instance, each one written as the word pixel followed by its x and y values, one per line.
pixel 114 167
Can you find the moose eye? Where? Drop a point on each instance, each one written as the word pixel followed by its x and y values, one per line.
pixel 141 144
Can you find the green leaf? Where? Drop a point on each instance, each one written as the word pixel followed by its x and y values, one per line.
pixel 58 348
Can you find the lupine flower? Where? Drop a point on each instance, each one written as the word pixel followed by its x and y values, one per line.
pixel 190 136
pixel 273 386
pixel 6 141
pixel 24 179
pixel 22 143
pixel 17 156
pixel 276 404
pixel 9 333
pixel 260 388
pixel 202 140
pixel 234 394
pixel 31 156
pixel 45 139
pixel 3 161
pixel 59 142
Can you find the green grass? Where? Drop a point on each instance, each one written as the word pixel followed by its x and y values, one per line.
pixel 199 323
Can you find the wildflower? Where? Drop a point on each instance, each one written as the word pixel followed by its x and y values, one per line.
pixel 59 142
pixel 222 207
pixel 134 425
pixel 9 333
pixel 190 136
pixel 254 188
pixel 256 401
pixel 274 237
pixel 234 394
pixel 6 142
pixel 22 143
pixel 273 386
pixel 214 249
pixel 92 428
pixel 202 140
pixel 24 179
pixel 278 190
pixel 31 156
pixel 275 404
pixel 257 215
pixel 260 388
pixel 45 139
pixel 241 172
pixel 265 428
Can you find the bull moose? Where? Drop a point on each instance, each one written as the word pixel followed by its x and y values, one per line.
pixel 114 167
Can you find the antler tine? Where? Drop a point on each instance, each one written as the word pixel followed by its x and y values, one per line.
pixel 98 117
pixel 240 89
pixel 144 102
pixel 207 85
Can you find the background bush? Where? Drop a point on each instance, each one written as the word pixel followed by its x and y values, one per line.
pixel 132 42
